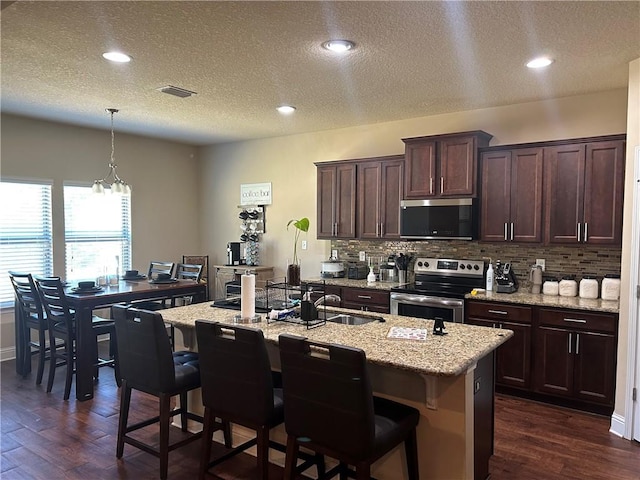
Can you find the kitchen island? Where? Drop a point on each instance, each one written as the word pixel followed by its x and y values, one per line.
pixel 449 379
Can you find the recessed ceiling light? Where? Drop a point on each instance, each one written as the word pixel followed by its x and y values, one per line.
pixel 540 62
pixel 286 109
pixel 338 46
pixel 117 57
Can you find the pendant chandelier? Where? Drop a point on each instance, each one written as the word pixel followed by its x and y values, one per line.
pixel 111 179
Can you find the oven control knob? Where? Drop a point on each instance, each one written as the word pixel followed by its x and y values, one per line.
pixel 462 266
pixel 419 264
pixel 426 264
pixel 476 267
pixel 469 266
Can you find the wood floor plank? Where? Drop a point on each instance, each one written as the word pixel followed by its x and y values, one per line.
pixel 44 437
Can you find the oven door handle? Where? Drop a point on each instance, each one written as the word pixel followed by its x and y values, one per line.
pixel 426 300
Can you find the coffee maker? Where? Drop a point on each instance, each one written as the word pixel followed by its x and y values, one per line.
pixel 505 278
pixel 236 253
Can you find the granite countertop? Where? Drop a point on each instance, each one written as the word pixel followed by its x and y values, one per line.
pixel 448 355
pixel 537 299
pixel 346 282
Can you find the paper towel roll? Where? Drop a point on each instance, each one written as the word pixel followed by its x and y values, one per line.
pixel 248 295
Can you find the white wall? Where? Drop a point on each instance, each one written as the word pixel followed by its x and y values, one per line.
pixel 164 175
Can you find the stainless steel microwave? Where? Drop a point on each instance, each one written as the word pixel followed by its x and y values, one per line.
pixel 445 219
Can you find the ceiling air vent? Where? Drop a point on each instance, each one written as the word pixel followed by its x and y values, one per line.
pixel 176 91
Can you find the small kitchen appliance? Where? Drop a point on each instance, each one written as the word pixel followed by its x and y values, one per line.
pixel 357 271
pixel 236 253
pixel 535 276
pixel 505 278
pixel 332 269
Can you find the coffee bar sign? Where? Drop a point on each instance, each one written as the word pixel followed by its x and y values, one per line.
pixel 255 194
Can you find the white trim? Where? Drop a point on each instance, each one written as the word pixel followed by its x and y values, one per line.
pixel 632 338
pixel 618 425
pixel 7 353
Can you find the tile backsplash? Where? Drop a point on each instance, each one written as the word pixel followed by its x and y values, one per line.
pixel 560 260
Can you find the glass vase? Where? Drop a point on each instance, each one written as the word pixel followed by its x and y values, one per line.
pixel 293 274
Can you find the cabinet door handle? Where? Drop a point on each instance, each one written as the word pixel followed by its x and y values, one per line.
pixel 499 312
pixel 368 297
pixel 578 234
pixel 570 343
pixel 431 185
pixel 575 320
pixel 382 229
pixel 441 184
pixel 511 230
pixel 586 227
pixel 577 343
pixel 505 231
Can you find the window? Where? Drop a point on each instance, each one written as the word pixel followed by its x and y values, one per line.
pixel 97 233
pixel 26 243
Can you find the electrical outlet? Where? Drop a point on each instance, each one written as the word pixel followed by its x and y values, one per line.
pixel 304 244
pixel 541 262
pixel 362 256
pixel 334 254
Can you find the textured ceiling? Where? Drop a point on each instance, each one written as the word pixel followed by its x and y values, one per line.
pixel 411 59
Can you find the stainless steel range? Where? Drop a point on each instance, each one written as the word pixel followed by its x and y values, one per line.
pixel 439 289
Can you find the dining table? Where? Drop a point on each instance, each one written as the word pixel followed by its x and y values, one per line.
pixel 84 304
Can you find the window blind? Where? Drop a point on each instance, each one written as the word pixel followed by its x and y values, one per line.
pixel 26 240
pixel 97 233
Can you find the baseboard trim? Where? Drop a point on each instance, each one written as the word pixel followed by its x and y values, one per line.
pixel 7 353
pixel 617 425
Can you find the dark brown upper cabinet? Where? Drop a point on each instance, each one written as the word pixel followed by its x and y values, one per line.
pixel 584 192
pixel 511 195
pixel 443 165
pixel 380 184
pixel 336 200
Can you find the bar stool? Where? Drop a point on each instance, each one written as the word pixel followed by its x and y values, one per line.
pixel 238 386
pixel 149 365
pixel 329 408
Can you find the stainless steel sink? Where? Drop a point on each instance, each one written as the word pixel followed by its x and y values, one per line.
pixel 347 319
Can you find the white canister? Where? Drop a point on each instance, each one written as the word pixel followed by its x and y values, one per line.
pixel 568 287
pixel 550 287
pixel 611 287
pixel 588 287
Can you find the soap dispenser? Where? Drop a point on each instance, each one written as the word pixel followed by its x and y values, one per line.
pixel 371 278
pixel 489 282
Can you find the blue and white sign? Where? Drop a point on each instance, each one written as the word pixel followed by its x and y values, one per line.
pixel 255 194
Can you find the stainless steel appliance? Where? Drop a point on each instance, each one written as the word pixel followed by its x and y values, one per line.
pixel 236 253
pixel 455 218
pixel 439 289
pixel 505 278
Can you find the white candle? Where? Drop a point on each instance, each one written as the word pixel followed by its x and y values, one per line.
pixel 248 295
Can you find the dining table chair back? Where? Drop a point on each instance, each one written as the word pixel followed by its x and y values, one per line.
pixel 29 308
pixel 330 408
pixel 156 267
pixel 189 272
pixel 150 366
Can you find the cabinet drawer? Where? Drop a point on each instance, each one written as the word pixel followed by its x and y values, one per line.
pixel 365 296
pixel 499 311
pixel 598 322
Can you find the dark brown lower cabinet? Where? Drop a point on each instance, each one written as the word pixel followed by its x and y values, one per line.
pixel 513 358
pixel 575 355
pixel 367 299
pixel 556 355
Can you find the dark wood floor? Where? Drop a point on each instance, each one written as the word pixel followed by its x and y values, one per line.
pixel 44 437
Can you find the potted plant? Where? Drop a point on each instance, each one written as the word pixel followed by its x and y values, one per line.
pixel 293 269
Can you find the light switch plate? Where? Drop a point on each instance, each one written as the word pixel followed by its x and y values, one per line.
pixel 334 254
pixel 304 244
pixel 541 262
pixel 362 256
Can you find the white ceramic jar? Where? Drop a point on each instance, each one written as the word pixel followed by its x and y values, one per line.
pixel 550 287
pixel 611 287
pixel 588 287
pixel 568 287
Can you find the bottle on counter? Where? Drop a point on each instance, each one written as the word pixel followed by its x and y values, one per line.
pixel 568 287
pixel 588 287
pixel 611 287
pixel 371 278
pixel 550 286
pixel 489 282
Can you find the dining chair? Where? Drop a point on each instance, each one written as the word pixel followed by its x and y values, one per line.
pixel 61 326
pixel 150 366
pixel 185 271
pixel 329 408
pixel 156 267
pixel 29 307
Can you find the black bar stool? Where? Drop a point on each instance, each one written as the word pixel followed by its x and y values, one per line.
pixel 329 408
